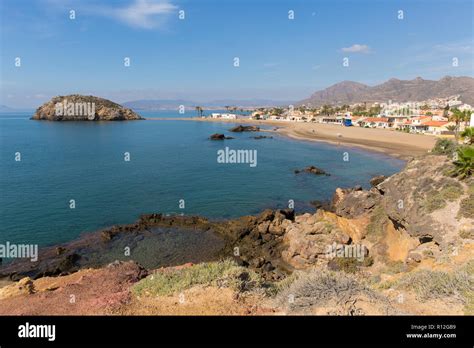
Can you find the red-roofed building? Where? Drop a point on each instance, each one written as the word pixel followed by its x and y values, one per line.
pixel 438 127
pixel 417 124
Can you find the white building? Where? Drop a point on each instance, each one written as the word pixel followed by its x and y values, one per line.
pixel 224 116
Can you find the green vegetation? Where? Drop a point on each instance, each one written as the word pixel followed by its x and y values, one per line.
pixel 452 191
pixel 466 208
pixel 444 147
pixel 378 221
pixel 277 111
pixel 468 135
pixel 319 288
pixel 457 117
pixel 428 253
pixel 199 110
pixel 352 264
pixel 438 200
pixel 283 285
pixel 433 203
pixel 464 162
pixel 394 267
pixel 466 234
pixel 427 284
pixel 223 273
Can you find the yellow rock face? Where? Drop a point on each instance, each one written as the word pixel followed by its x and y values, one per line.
pixel 355 228
pixel 23 287
pixel 399 243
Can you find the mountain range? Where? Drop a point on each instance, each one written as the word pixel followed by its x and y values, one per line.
pixel 418 89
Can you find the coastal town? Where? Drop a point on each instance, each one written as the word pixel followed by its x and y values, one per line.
pixel 438 116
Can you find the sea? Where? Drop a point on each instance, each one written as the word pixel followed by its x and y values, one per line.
pixel 59 180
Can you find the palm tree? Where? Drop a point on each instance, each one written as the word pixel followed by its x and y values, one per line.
pixel 326 109
pixel 451 128
pixel 468 134
pixel 467 117
pixel 465 162
pixel 199 110
pixel 457 117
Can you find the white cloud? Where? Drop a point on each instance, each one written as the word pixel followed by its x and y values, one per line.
pixel 356 48
pixel 146 14
pixel 143 14
pixel 458 47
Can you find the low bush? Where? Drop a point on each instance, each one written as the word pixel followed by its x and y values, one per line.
pixel 444 147
pixel 223 273
pixel 427 284
pixel 466 208
pixel 318 288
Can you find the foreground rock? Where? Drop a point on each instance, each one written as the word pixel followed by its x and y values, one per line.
pixel 241 128
pixel 77 107
pixel 96 291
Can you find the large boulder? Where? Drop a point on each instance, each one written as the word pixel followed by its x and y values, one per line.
pixel 219 136
pixel 353 203
pixel 240 128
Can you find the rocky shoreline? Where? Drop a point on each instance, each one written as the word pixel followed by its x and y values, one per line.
pixel 276 242
pixel 412 220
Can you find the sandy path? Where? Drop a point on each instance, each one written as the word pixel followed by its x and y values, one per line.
pixel 398 144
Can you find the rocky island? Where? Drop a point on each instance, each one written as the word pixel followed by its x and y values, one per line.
pixel 78 107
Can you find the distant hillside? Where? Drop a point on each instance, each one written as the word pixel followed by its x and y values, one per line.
pixel 348 92
pixel 173 104
pixel 4 108
pixel 158 104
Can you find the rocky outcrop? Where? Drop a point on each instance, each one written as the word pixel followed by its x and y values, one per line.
pixel 420 205
pixel 424 200
pixel 240 128
pixel 312 170
pixel 376 180
pixel 219 136
pixel 353 203
pixel 77 107
pixel 396 219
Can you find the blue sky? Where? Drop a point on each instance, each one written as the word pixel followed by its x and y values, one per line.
pixel 280 58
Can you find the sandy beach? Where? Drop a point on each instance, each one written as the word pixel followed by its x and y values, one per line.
pixel 394 143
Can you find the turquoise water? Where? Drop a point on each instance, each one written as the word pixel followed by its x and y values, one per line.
pixel 169 161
